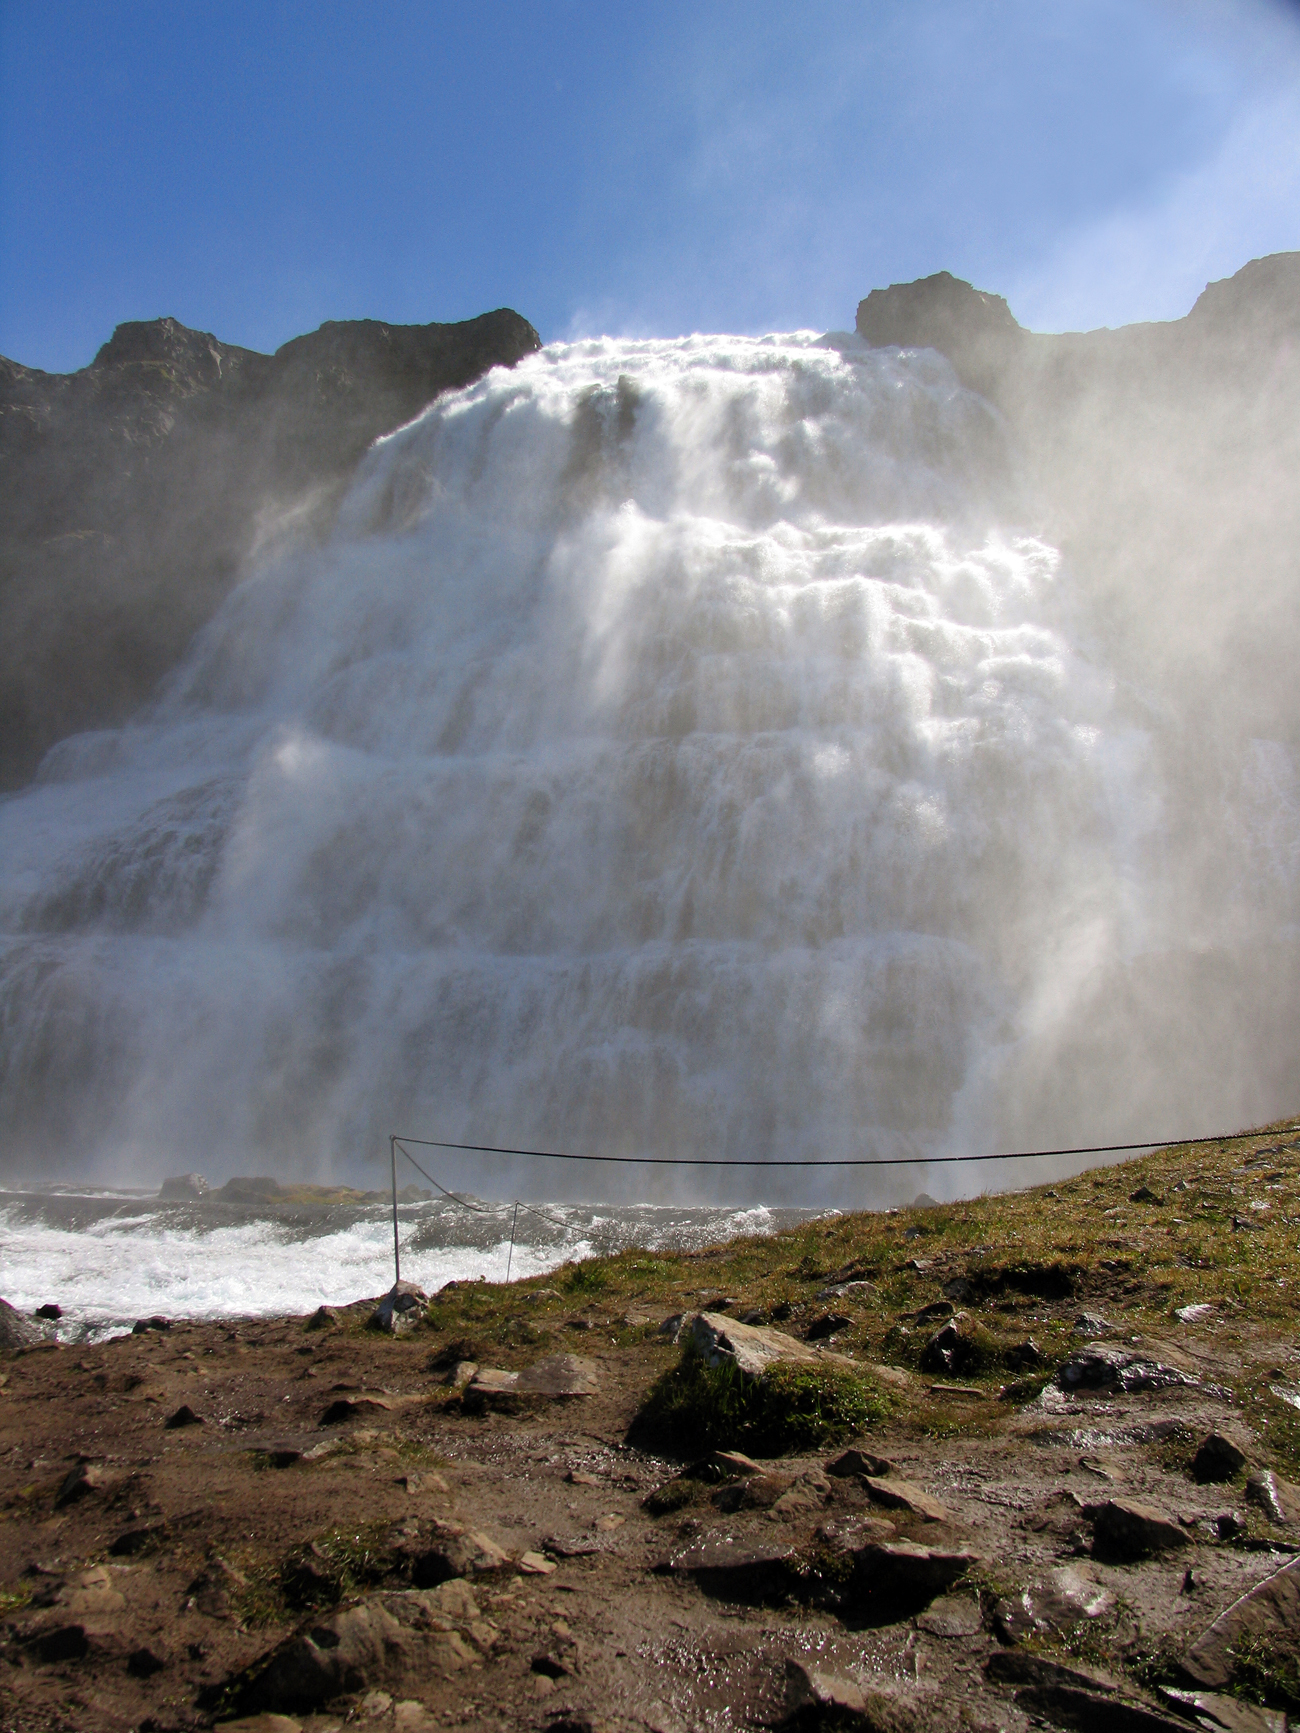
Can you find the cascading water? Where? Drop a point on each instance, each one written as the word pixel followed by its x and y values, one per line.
pixel 668 754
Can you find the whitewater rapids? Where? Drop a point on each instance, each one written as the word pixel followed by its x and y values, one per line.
pixel 676 749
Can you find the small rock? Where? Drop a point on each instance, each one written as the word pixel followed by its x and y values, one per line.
pixel 1227 1525
pixel 184 1416
pixel 559 1376
pixel 726 1463
pixel 142 1326
pixel 725 1341
pixel 827 1325
pixel 212 1590
pixel 672 1327
pixel 1193 1314
pixel 85 1477
pixel 1277 1499
pixel 735 1571
pixel 859 1462
pixel 814 1696
pixel 1090 1324
pixel 353 1408
pixel 533 1564
pixel 457 1552
pixel 138 1540
pixel 322 1319
pixel 1217 1458
pixel 1124 1530
pixel 49 1312
pixel 903 1495
pixel 54 1643
pixel 144 1662
pixel 960 1290
pixel 400 1310
pixel 907 1570
pixel 16 1331
pixel 1144 1194
pixel 577 1477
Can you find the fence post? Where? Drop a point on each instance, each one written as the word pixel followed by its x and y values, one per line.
pixel 397 1254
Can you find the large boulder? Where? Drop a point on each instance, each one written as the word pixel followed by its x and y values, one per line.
pixel 750 1348
pixel 400 1310
pixel 183 1188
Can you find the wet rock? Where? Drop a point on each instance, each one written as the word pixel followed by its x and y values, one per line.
pixel 1093 1711
pixel 1069 1595
pixel 456 1552
pixel 749 1348
pixel 816 1700
pixel 400 1310
pixel 1016 1667
pixel 184 1416
pixel 756 1492
pixel 379 1644
pixel 1211 1709
pixel 1278 1499
pixel 84 1478
pixel 183 1188
pixel 322 1319
pixel 49 1313
pixel 951 1616
pixel 17 1331
pixel 1217 1458
pixel 859 1462
pixel 1124 1530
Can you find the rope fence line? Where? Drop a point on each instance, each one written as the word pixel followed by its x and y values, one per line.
pixel 396 1142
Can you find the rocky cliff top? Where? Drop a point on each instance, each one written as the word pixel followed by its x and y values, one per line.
pixel 133 491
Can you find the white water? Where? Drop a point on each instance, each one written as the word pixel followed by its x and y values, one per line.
pixel 674 751
pixel 107 1262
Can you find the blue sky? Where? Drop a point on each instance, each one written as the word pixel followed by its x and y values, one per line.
pixel 257 168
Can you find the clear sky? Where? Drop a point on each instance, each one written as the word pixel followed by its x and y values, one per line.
pixel 255 168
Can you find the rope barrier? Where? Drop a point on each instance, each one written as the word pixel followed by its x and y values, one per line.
pixel 396 1142
pixel 841 1161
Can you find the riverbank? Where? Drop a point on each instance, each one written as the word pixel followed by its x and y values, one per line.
pixel 179 1502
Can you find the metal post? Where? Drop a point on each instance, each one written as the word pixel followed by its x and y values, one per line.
pixel 511 1254
pixel 397 1251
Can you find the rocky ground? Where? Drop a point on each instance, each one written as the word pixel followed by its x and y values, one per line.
pixel 460 1520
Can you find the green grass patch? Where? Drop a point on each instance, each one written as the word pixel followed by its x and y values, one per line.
pixel 792 1407
pixel 589 1277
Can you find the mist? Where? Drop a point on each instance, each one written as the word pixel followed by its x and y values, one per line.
pixel 753 748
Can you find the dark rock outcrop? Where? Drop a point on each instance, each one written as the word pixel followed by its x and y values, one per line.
pixel 134 492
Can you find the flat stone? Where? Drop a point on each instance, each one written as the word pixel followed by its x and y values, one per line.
pixel 533 1564
pixel 1107 1366
pixel 903 1495
pixel 816 1700
pixel 1124 1530
pixel 461 1373
pixel 732 1462
pixel 1271 1611
pixel 951 1616
pixel 750 1348
pixel 1016 1667
pixel 559 1375
pixel 1094 1711
pixel 1213 1710
pixel 735 1571
pixel 1217 1458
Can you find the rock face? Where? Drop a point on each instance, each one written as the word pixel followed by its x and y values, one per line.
pixel 133 493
